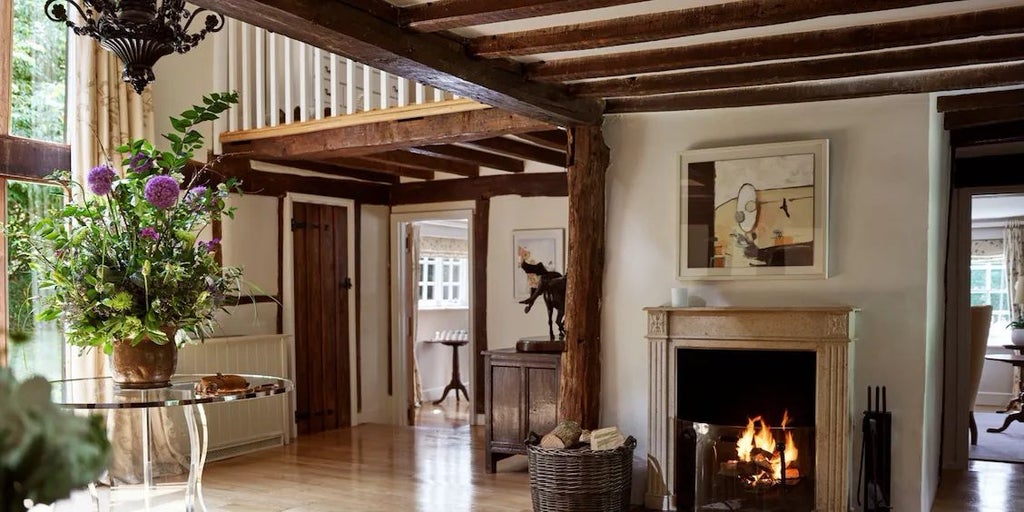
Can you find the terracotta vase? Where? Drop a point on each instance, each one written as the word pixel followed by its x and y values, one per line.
pixel 144 366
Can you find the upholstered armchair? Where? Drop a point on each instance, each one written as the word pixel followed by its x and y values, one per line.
pixel 981 320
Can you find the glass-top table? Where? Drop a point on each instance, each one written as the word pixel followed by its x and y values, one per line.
pixel 150 429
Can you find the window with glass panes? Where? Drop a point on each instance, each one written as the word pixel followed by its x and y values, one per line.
pixel 443 282
pixel 989 287
pixel 33 73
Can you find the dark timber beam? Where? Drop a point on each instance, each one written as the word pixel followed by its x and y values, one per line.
pixel 994 99
pixel 666 25
pixel 481 228
pixel 448 14
pixel 534 184
pixel 426 163
pixel 34 159
pixel 427 58
pixel 336 170
pixel 384 167
pixel 554 139
pixel 580 386
pixel 472 156
pixel 1005 49
pixel 881 36
pixel 278 184
pixel 518 149
pixel 982 117
pixel 934 81
pixel 379 137
pixel 1012 131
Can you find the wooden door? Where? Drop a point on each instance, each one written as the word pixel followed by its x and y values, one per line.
pixel 322 286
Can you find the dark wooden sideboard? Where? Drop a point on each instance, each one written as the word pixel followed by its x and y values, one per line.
pixel 521 395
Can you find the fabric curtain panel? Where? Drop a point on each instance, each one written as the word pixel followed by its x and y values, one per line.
pixel 1013 252
pixel 103 113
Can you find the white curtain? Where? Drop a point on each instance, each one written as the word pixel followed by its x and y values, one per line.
pixel 1013 252
pixel 103 113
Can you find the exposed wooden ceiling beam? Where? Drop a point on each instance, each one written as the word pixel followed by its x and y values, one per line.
pixel 448 14
pixel 278 184
pixel 982 117
pixel 666 25
pixel 1004 49
pixel 30 158
pixel 993 99
pixel 428 58
pixel 365 139
pixel 934 81
pixel 473 156
pixel 786 46
pixel 1012 131
pixel 337 170
pixel 385 167
pixel 522 150
pixel 554 139
pixel 534 184
pixel 426 163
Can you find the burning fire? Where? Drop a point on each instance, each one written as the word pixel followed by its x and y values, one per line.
pixel 758 446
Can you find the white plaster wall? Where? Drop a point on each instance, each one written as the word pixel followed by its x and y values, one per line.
pixel 880 243
pixel 506 322
pixel 181 81
pixel 374 321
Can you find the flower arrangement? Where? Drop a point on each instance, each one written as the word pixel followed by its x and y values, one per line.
pixel 45 453
pixel 126 263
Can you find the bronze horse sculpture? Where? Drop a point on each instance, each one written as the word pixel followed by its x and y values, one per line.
pixel 552 287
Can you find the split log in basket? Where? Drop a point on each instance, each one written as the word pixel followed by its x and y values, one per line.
pixel 565 435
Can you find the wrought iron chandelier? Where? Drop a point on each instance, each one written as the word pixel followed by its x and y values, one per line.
pixel 137 31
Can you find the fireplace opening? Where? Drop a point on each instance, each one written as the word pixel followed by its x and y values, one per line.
pixel 745 430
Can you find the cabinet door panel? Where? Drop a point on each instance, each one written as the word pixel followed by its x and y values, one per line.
pixel 506 397
pixel 543 399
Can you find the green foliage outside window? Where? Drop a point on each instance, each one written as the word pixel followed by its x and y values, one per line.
pixel 38 74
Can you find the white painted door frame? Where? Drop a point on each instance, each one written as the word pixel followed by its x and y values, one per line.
pixel 288 291
pixel 400 364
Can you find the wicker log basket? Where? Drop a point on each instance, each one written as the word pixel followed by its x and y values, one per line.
pixel 580 479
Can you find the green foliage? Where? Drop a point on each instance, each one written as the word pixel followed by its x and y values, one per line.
pixel 123 268
pixel 38 74
pixel 1016 324
pixel 45 452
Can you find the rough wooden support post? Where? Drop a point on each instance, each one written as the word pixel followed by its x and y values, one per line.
pixel 481 221
pixel 580 389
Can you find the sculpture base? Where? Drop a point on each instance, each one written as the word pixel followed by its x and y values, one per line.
pixel 540 344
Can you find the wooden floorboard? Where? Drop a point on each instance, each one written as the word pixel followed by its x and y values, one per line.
pixel 370 468
pixel 984 487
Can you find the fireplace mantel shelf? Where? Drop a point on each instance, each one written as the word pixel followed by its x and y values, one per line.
pixel 828 331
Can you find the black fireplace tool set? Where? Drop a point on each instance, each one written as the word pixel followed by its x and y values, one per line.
pixel 876 455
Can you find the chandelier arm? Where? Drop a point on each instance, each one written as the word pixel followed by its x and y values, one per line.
pixel 59 14
pixel 195 14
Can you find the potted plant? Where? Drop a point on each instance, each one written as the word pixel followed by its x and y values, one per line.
pixel 45 453
pixel 1017 332
pixel 124 269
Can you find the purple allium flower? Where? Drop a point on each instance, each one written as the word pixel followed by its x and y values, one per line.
pixel 101 179
pixel 140 163
pixel 211 245
pixel 195 194
pixel 149 233
pixel 162 191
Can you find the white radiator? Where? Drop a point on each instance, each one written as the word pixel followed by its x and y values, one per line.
pixel 241 427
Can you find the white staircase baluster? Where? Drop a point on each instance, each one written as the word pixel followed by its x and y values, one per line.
pixel 350 86
pixel 334 86
pixel 318 83
pixel 272 78
pixel 244 93
pixel 303 86
pixel 261 77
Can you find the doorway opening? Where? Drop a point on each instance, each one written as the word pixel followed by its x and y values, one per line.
pixel 435 332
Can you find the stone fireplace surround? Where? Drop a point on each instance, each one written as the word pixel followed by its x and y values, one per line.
pixel 826 331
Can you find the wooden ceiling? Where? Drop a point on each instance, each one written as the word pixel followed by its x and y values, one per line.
pixel 569 62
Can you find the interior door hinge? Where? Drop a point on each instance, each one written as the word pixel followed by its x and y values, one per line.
pixel 346 283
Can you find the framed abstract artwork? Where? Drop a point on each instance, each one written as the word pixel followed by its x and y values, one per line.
pixel 545 246
pixel 753 212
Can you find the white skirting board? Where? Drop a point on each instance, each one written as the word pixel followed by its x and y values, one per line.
pixel 242 427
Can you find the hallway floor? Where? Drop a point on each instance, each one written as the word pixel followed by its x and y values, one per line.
pixel 984 487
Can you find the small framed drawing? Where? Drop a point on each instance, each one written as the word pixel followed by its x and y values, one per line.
pixel 545 246
pixel 753 212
